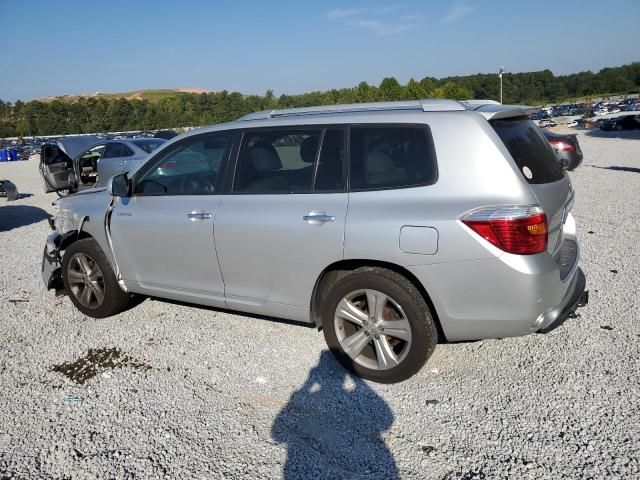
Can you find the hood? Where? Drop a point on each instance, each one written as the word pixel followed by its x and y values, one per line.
pixel 72 146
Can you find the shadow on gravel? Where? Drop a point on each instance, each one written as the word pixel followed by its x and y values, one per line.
pixel 332 427
pixel 16 216
pixel 619 169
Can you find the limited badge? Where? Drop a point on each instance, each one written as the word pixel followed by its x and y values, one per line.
pixel 527 172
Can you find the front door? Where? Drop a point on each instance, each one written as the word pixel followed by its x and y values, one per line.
pixel 163 233
pixel 56 168
pixel 283 222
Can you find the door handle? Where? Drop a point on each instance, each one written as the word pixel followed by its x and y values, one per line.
pixel 318 218
pixel 198 216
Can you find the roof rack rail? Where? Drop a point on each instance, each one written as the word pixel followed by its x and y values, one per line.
pixel 425 105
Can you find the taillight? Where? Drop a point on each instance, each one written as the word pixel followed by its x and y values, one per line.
pixel 515 229
pixel 563 146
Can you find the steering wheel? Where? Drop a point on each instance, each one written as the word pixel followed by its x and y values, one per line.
pixel 196 183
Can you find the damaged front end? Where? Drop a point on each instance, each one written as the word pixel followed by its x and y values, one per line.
pixel 8 190
pixel 52 263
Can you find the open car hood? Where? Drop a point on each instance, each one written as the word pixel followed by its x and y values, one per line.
pixel 72 146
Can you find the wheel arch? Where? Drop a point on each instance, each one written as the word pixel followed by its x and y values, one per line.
pixel 337 270
pixel 72 236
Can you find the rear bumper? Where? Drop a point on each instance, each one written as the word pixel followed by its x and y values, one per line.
pixel 509 296
pixel 577 296
pixel 571 159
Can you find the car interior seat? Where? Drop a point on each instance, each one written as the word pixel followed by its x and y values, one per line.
pixel 380 169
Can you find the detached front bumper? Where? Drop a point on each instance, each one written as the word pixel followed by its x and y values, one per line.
pixel 51 270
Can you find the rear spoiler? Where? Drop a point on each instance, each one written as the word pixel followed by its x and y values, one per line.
pixel 492 110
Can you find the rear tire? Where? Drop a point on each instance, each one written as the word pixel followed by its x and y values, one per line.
pixel 387 342
pixel 90 281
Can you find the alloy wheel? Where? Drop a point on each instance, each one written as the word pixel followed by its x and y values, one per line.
pixel 86 280
pixel 372 329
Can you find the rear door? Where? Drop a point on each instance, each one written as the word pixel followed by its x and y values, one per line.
pixel 283 222
pixel 536 162
pixel 56 168
pixel 114 160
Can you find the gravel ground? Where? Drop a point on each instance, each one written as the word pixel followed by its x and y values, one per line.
pixel 173 391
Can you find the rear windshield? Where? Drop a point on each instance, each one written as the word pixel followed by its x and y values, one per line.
pixel 530 149
pixel 148 145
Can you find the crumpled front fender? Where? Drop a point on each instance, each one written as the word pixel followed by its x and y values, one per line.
pixel 52 264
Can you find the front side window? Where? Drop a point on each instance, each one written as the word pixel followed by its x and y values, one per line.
pixel 391 157
pixel 277 161
pixel 191 168
pixel 117 150
pixel 92 155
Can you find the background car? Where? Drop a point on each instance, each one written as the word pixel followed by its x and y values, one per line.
pixel 625 122
pixel 75 163
pixel 547 123
pixel 566 148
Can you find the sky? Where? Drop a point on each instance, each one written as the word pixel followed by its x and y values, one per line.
pixel 70 47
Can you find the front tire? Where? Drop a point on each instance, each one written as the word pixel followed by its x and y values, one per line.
pixel 378 325
pixel 90 281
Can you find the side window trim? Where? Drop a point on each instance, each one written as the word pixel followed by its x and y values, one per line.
pixel 165 152
pixel 316 161
pixel 421 126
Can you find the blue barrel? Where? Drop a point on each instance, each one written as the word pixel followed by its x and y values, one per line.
pixel 13 155
pixel 3 156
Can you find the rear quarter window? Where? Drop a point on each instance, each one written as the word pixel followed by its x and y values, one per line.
pixel 530 150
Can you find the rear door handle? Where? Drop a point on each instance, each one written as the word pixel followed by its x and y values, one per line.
pixel 198 216
pixel 318 218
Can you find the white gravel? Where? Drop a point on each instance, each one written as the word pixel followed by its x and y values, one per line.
pixel 240 397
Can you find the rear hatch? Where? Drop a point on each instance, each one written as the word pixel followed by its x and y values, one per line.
pixel 537 164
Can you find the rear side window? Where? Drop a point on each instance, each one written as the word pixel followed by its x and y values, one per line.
pixel 530 150
pixel 148 145
pixel 391 157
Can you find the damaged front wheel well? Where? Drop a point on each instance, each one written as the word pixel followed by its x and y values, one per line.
pixel 71 237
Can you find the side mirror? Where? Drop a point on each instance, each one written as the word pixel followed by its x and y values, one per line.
pixel 119 186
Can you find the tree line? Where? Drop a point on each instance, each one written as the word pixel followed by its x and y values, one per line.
pixel 101 114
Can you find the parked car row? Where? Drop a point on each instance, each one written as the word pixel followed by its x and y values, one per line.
pixel 587 109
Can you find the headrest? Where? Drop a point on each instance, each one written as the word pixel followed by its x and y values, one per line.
pixel 378 162
pixel 265 160
pixel 308 149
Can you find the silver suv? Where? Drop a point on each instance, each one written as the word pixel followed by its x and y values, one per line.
pixel 387 225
